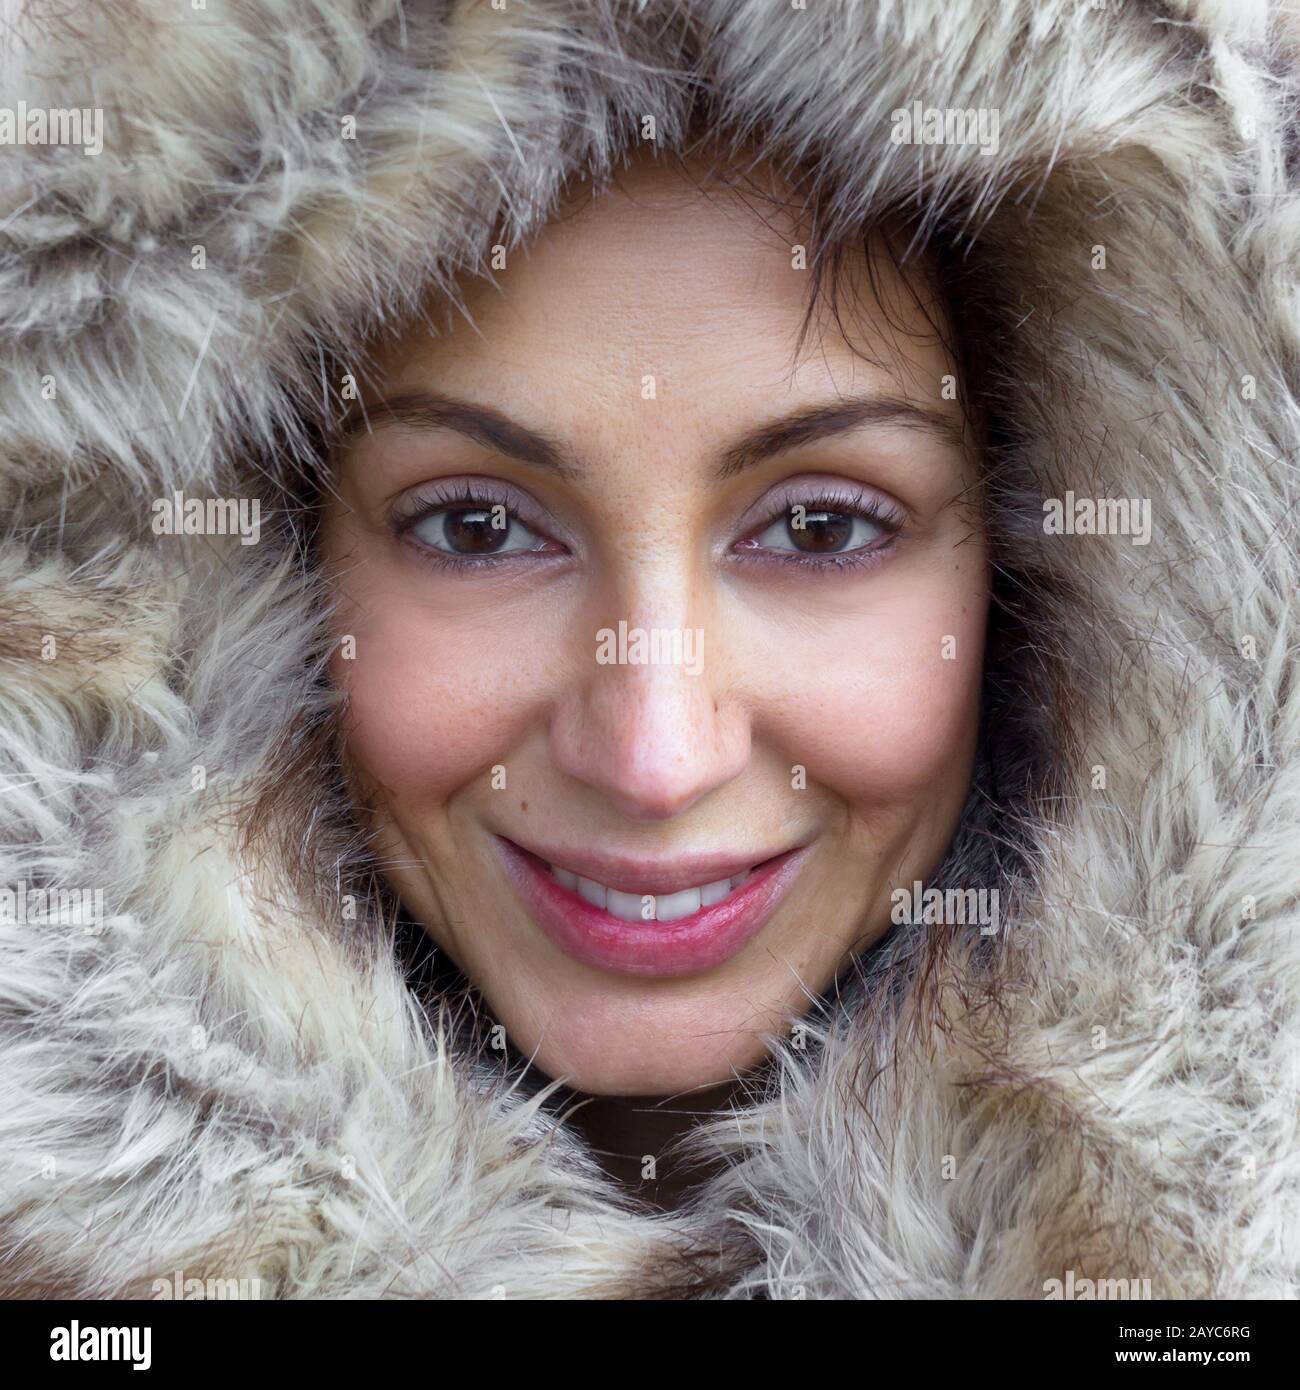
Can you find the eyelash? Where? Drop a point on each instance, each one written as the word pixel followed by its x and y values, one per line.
pixel 852 502
pixel 441 497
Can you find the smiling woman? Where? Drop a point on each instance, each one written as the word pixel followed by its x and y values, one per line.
pixel 649 867
pixel 648 650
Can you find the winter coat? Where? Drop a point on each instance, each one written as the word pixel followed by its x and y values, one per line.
pixel 231 1073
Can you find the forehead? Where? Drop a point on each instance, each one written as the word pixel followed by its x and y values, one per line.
pixel 683 288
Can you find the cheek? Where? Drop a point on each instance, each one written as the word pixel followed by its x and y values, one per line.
pixel 434 700
pixel 882 706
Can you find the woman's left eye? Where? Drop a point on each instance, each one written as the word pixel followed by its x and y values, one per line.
pixel 818 530
pixel 471 531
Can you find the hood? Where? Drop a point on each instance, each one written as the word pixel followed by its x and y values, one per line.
pixel 229 1074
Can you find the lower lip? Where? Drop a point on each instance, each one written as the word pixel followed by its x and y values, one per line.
pixel 688 946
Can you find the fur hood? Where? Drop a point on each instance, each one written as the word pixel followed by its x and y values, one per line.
pixel 230 1075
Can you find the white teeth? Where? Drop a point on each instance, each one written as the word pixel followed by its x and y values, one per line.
pixel 593 892
pixel 631 907
pixel 714 892
pixel 627 906
pixel 671 906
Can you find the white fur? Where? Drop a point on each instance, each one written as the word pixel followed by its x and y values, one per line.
pixel 315 1132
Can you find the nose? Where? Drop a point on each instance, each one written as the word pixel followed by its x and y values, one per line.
pixel 648 721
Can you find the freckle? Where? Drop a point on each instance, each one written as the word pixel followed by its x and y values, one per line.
pixel 523 805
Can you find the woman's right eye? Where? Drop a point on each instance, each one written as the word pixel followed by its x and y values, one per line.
pixel 476 531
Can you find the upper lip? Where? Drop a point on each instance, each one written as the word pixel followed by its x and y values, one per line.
pixel 628 873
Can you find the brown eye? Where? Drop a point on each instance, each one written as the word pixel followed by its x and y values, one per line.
pixel 473 531
pixel 819 531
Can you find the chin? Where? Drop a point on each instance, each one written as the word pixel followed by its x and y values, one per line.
pixel 595 1075
pixel 666 1057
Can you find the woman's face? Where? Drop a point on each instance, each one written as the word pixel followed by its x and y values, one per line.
pixel 667 645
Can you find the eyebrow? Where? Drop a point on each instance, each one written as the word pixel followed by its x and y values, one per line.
pixel 823 421
pixel 427 410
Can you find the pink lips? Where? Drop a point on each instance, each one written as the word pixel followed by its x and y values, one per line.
pixel 686 946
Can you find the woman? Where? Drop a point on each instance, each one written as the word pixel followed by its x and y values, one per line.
pixel 747 745
pixel 799 536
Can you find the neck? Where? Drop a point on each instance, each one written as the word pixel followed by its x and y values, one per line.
pixel 633 1138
